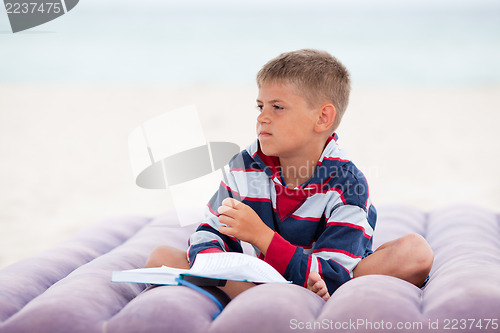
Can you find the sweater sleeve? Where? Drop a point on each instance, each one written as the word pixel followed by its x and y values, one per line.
pixel 345 240
pixel 207 237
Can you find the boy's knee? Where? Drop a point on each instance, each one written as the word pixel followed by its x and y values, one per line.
pixel 417 253
pixel 167 256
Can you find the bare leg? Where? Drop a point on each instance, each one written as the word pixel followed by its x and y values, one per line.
pixel 409 258
pixel 173 257
pixel 167 256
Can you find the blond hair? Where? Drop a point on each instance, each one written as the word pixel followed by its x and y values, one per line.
pixel 316 74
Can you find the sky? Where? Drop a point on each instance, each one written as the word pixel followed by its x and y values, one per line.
pixel 382 42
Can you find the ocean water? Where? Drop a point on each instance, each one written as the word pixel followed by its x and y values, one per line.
pixel 142 42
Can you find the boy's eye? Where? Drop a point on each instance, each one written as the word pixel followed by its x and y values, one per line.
pixel 275 107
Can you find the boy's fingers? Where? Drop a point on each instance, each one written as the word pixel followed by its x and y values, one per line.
pixel 230 202
pixel 224 219
pixel 225 230
pixel 225 210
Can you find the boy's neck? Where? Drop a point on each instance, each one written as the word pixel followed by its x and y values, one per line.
pixel 294 175
pixel 297 170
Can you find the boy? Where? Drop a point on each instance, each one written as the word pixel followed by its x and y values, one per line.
pixel 303 204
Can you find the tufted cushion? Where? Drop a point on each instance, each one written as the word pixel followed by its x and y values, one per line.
pixel 68 288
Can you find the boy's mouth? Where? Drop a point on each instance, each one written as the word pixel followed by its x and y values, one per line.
pixel 264 134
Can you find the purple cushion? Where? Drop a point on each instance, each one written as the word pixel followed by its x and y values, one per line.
pixel 68 288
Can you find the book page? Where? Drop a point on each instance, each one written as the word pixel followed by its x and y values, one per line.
pixel 157 275
pixel 235 266
pixel 223 266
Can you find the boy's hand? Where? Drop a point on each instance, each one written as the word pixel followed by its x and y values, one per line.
pixel 244 223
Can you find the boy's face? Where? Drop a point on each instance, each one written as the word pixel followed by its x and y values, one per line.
pixel 285 125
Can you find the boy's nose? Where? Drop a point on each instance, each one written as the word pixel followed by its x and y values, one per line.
pixel 264 116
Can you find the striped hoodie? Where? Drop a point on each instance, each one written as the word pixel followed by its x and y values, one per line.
pixel 324 225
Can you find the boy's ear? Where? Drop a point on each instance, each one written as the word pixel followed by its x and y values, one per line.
pixel 326 118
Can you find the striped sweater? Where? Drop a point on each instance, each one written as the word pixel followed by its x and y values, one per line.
pixel 324 225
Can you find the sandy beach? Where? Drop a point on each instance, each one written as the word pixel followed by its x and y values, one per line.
pixel 65 162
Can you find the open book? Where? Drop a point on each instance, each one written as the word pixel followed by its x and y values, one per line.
pixel 217 267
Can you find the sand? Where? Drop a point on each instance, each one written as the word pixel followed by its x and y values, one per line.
pixel 65 164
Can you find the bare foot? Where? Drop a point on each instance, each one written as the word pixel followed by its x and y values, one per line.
pixel 316 284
